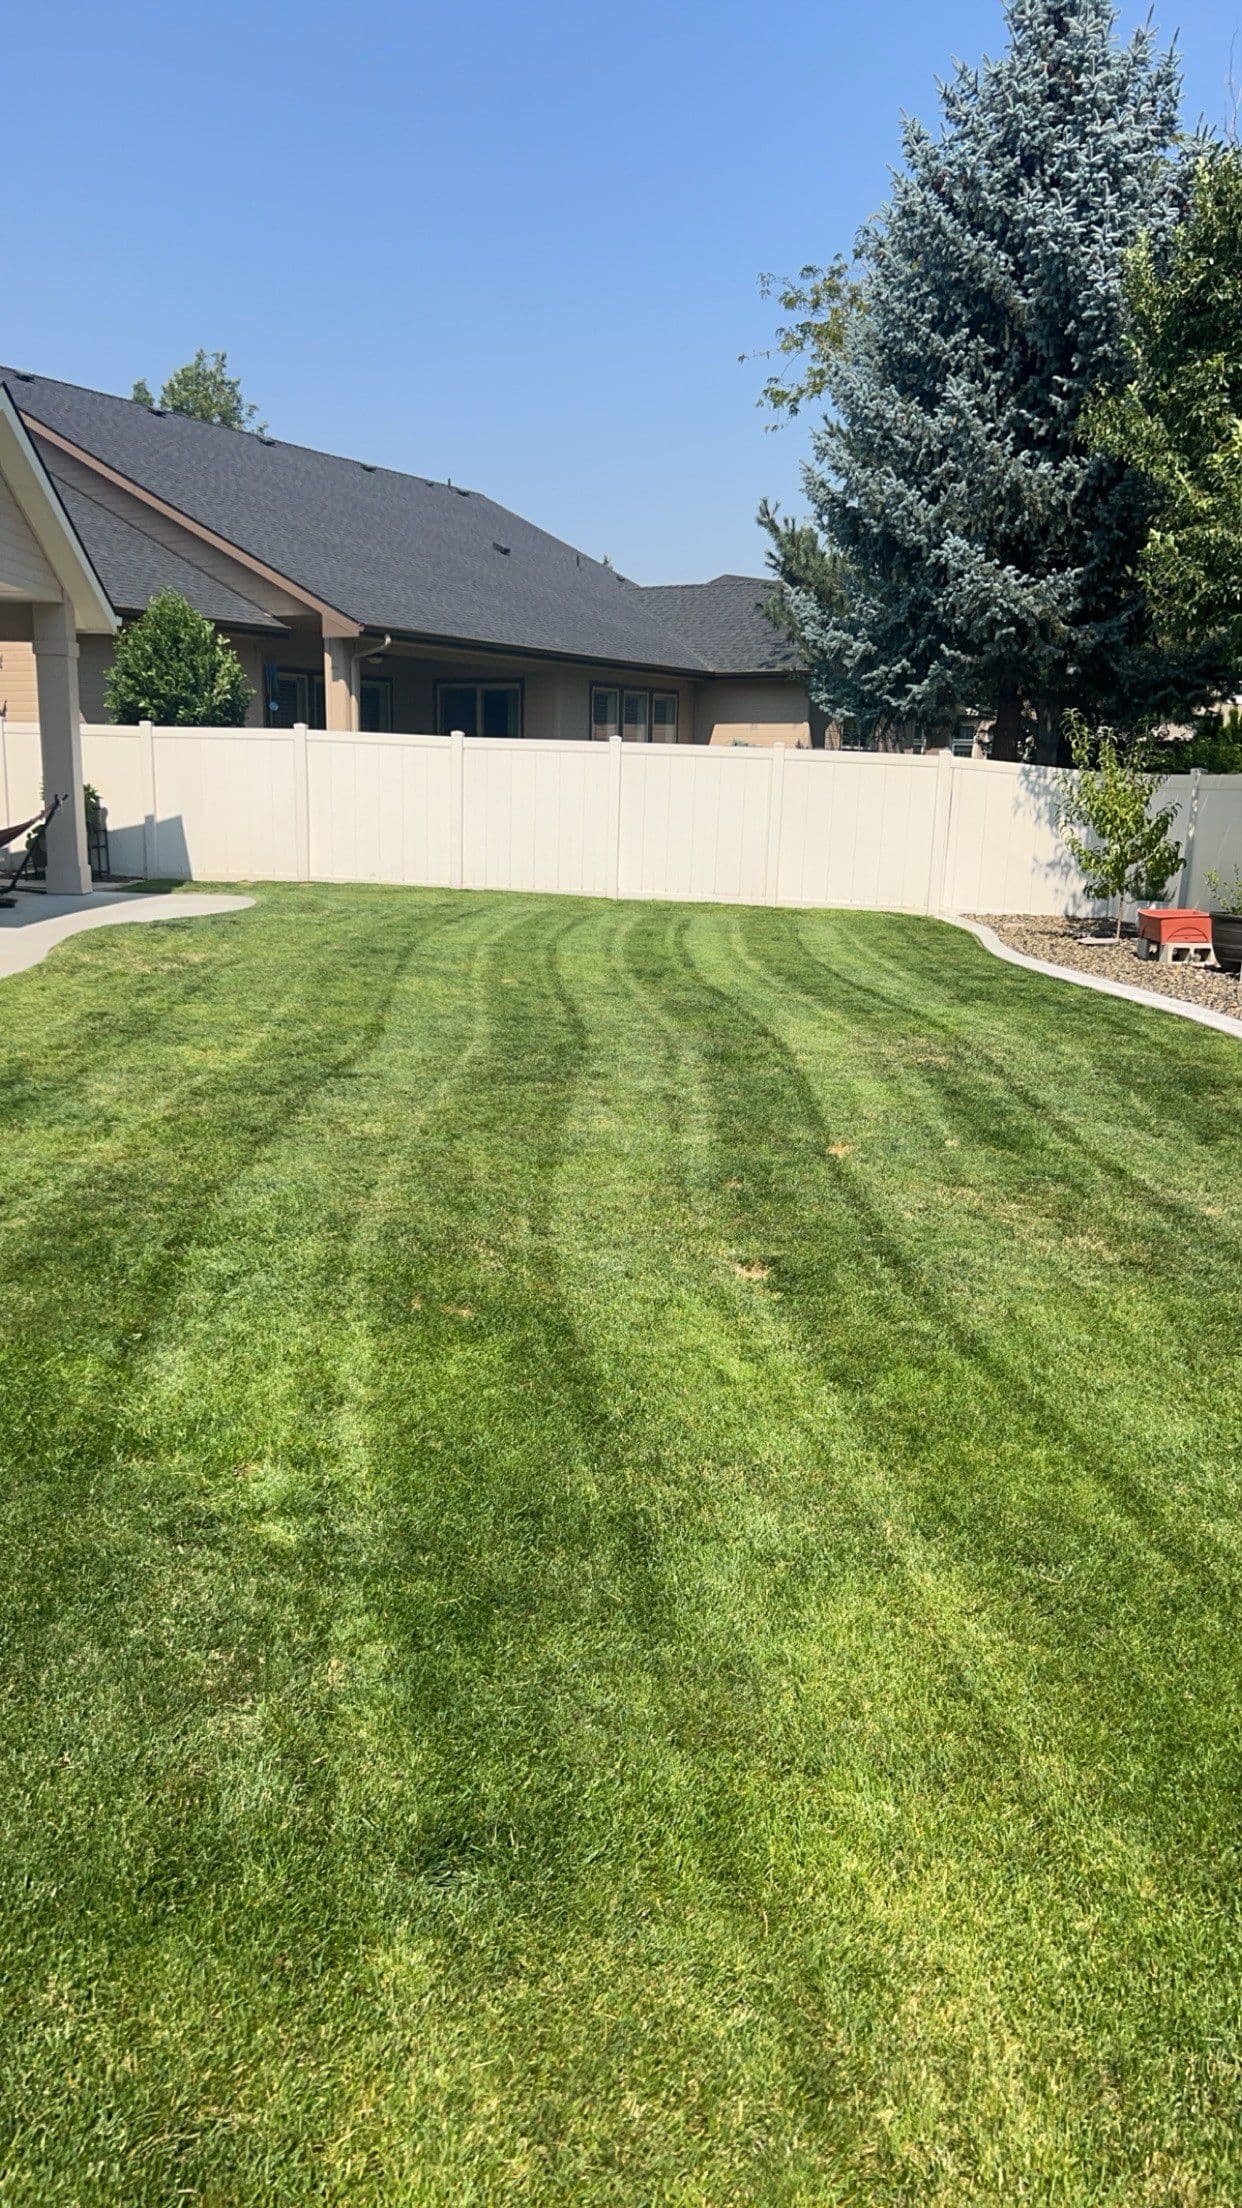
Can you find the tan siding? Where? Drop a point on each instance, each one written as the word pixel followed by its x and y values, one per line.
pixel 24 566
pixel 19 696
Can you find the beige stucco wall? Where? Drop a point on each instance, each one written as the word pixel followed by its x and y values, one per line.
pixel 556 697
pixel 18 685
pixel 94 660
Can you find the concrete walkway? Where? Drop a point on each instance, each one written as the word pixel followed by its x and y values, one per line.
pixel 35 925
pixel 991 941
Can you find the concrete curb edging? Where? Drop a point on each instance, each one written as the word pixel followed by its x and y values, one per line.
pixel 991 941
pixel 27 937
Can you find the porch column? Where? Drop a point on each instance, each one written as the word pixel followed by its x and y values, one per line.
pixel 60 732
pixel 340 684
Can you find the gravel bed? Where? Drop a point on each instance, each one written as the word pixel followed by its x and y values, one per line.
pixel 1057 941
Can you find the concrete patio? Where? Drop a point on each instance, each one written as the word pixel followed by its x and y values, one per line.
pixel 36 924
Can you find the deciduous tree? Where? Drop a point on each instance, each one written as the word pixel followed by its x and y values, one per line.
pixel 1107 820
pixel 204 389
pixel 1179 418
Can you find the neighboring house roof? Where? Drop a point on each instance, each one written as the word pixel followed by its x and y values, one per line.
pixel 725 621
pixel 135 566
pixel 63 561
pixel 385 550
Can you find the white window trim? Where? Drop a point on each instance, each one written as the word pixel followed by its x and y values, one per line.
pixel 623 690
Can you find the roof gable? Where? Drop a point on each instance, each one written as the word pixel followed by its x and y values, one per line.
pixel 51 558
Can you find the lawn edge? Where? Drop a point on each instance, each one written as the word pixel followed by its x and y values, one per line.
pixel 28 944
pixel 1202 1014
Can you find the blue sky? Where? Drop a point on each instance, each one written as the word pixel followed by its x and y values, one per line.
pixel 513 245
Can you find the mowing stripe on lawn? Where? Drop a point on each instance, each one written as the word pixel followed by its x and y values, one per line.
pixel 610 1597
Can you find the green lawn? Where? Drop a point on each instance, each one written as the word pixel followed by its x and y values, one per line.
pixel 618 1567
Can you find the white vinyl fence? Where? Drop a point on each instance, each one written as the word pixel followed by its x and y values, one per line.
pixel 739 826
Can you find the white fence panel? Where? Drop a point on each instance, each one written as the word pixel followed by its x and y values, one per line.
pixel 1215 820
pixel 855 836
pixel 1005 854
pixel 379 809
pixel 224 804
pixel 736 826
pixel 694 823
pixel 21 770
pixel 535 815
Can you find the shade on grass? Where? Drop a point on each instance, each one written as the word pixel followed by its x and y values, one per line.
pixel 618 1566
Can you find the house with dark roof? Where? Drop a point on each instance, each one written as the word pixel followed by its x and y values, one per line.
pixel 361 598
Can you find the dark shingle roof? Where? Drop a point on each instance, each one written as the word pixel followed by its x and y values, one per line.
pixel 726 623
pixel 133 566
pixel 391 551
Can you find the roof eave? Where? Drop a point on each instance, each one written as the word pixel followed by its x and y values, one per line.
pixel 45 513
pixel 671 668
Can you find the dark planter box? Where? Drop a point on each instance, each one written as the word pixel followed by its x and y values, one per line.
pixel 1227 938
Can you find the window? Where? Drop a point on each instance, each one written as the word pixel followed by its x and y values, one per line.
pixel 375 704
pixel 293 694
pixel 605 714
pixel 664 716
pixel 296 694
pixel 636 717
pixel 640 716
pixel 479 708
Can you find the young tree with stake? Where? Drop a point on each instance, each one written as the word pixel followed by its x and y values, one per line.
pixel 1123 848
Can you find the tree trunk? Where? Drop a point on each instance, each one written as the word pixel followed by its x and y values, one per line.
pixel 1050 748
pixel 1008 732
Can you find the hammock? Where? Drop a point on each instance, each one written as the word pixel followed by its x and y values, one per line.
pixel 10 835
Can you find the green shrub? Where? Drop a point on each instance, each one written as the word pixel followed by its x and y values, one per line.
pixel 1216 745
pixel 173 667
pixel 1226 889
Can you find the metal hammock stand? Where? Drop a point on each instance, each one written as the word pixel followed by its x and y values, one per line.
pixel 9 836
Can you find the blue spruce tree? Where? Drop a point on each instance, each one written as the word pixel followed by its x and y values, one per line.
pixel 977 556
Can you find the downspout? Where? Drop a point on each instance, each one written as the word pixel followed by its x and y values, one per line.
pixel 365 648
